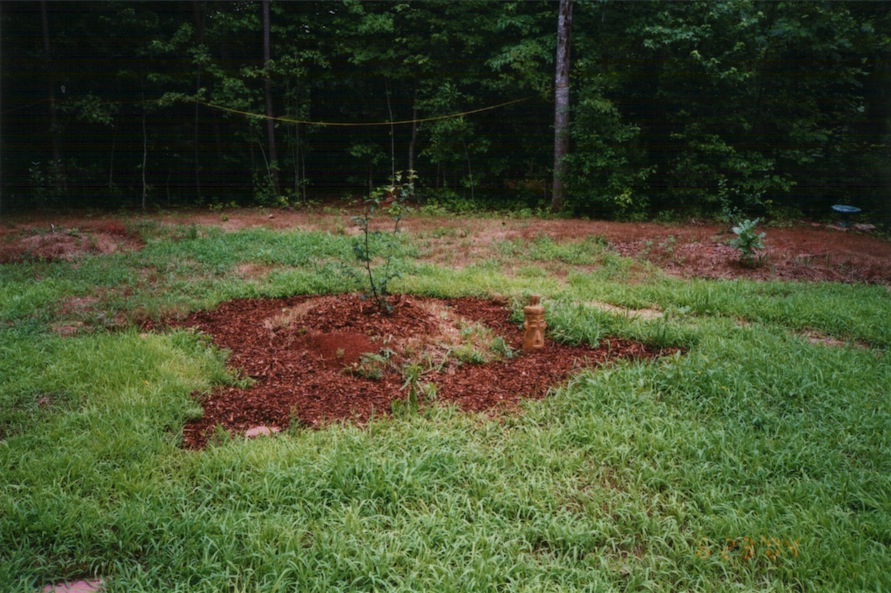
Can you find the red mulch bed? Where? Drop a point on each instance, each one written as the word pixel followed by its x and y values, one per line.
pixel 296 351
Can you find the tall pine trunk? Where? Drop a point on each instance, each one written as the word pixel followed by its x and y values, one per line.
pixel 270 123
pixel 561 104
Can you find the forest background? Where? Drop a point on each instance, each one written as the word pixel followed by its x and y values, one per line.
pixel 718 108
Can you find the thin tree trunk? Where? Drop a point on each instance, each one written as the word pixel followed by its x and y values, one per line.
pixel 114 143
pixel 469 170
pixel 303 173
pixel 414 133
pixel 144 157
pixel 257 137
pixel 295 159
pixel 253 156
pixel 56 166
pixel 392 137
pixel 270 124
pixel 199 29
pixel 195 144
pixel 561 104
pixel 218 140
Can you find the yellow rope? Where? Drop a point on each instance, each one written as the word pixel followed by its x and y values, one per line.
pixel 288 120
pixel 345 124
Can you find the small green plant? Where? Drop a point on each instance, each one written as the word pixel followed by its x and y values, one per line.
pixel 371 245
pixel 469 354
pixel 748 242
pixel 371 365
pixel 501 348
pixel 669 244
pixel 412 374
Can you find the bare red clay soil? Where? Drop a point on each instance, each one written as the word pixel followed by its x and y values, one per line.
pixel 66 243
pixel 805 251
pixel 304 356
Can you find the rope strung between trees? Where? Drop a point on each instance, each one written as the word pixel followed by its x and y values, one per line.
pixel 288 120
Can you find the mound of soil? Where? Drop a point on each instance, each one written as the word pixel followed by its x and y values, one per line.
pixel 316 360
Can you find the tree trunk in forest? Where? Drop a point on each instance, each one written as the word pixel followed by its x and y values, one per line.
pixel 392 137
pixel 270 124
pixel 414 134
pixel 295 159
pixel 469 171
pixel 198 15
pixel 218 141
pixel 114 143
pixel 56 165
pixel 561 103
pixel 195 145
pixel 144 155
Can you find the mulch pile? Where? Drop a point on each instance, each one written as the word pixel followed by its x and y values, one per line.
pixel 298 350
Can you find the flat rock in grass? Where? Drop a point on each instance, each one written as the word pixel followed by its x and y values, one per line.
pixel 625 312
pixel 261 430
pixel 75 587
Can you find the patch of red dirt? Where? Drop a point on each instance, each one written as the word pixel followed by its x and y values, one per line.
pixel 67 244
pixel 302 353
pixel 341 349
pixel 812 253
pixel 804 251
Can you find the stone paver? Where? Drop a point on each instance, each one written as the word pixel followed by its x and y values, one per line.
pixel 631 313
pixel 261 430
pixel 75 587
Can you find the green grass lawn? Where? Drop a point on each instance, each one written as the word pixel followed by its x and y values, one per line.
pixel 759 460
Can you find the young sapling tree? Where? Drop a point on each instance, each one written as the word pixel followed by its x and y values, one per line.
pixel 375 249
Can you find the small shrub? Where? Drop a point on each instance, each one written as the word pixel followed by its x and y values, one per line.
pixel 748 242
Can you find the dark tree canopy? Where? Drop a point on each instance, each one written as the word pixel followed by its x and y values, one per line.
pixel 702 107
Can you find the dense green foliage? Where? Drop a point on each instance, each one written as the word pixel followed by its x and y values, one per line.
pixel 713 107
pixel 756 461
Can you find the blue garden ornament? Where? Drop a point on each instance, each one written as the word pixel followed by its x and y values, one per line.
pixel 845 211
